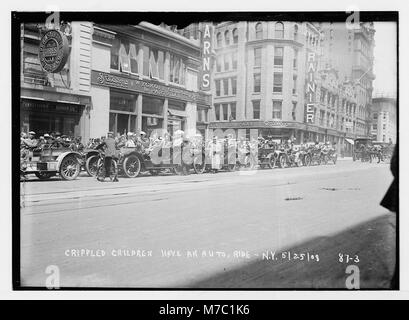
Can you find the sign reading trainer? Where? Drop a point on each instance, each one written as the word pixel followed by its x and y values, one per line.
pixel 53 51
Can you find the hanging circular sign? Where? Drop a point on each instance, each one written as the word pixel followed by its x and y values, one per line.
pixel 53 51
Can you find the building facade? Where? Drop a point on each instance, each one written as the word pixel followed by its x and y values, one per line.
pixel 119 78
pixel 384 119
pixel 55 102
pixel 263 72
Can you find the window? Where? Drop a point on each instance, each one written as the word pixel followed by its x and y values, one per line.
pixel 295 59
pixel 294 84
pixel 225 107
pixel 279 30
pixel 133 53
pixel 259 30
pixel 219 40
pixel 384 127
pixel 296 32
pixel 277 109
pixel 384 116
pixel 177 70
pixel 322 95
pixel 375 116
pixel 226 62
pixel 257 57
pixel 232 111
pixel 234 60
pixel 234 86
pixel 235 36
pixel 293 112
pixel 227 37
pixel 375 126
pixel 256 109
pixel 278 83
pixel 278 56
pixel 124 60
pixel 217 84
pixel 219 64
pixel 226 87
pixel 257 82
pixel 217 111
pixel 115 54
pixel 383 138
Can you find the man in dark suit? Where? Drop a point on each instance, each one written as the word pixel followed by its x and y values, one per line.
pixel 391 202
pixel 109 146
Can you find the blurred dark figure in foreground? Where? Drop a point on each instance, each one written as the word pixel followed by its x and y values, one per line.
pixel 390 202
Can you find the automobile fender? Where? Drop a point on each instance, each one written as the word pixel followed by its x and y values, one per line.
pixel 61 157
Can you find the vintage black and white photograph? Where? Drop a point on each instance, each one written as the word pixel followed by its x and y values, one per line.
pixel 229 151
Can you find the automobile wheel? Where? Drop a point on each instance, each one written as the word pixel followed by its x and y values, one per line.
pixel 69 168
pixel 307 160
pixel 272 161
pixel 199 164
pixel 131 166
pixel 43 175
pixel 91 165
pixel 282 161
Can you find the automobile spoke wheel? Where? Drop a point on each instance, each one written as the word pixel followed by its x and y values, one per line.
pixel 132 166
pixel 91 165
pixel 70 168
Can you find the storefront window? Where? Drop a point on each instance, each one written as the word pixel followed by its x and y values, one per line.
pixel 122 116
pixel 152 106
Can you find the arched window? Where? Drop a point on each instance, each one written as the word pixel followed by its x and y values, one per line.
pixel 295 32
pixel 235 36
pixel 259 30
pixel 227 37
pixel 279 30
pixel 219 40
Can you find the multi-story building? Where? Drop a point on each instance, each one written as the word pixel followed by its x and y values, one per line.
pixel 262 74
pixel 383 119
pixel 55 102
pixel 121 78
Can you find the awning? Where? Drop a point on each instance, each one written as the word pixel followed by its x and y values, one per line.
pixel 350 141
pixel 177 113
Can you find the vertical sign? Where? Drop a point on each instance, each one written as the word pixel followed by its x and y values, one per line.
pixel 206 56
pixel 311 87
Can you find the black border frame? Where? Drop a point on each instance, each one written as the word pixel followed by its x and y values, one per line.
pixel 181 19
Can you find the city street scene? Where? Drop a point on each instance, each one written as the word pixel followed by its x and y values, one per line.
pixel 229 154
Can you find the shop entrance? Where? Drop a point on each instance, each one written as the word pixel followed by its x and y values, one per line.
pixel 48 117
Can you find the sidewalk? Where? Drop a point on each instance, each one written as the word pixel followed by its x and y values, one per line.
pixel 345 158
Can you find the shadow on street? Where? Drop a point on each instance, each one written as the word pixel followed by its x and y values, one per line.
pixel 373 241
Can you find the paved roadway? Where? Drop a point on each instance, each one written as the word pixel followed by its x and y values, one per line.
pixel 225 230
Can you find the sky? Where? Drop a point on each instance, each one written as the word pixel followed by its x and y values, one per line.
pixel 385 58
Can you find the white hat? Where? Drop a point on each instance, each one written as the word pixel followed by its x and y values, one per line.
pixel 130 133
pixel 142 132
pixel 32 132
pixel 46 135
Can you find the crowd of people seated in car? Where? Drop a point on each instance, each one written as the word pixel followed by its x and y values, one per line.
pixel 146 144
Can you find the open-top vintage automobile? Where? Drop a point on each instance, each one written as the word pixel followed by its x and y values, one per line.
pixel 48 162
pixel 362 149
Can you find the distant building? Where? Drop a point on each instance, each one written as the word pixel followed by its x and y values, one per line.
pixel 383 119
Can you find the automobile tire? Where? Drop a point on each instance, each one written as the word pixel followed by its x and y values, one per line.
pixel 70 168
pixel 91 165
pixel 131 166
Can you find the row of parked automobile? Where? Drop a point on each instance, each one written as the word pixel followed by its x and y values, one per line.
pixel 131 162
